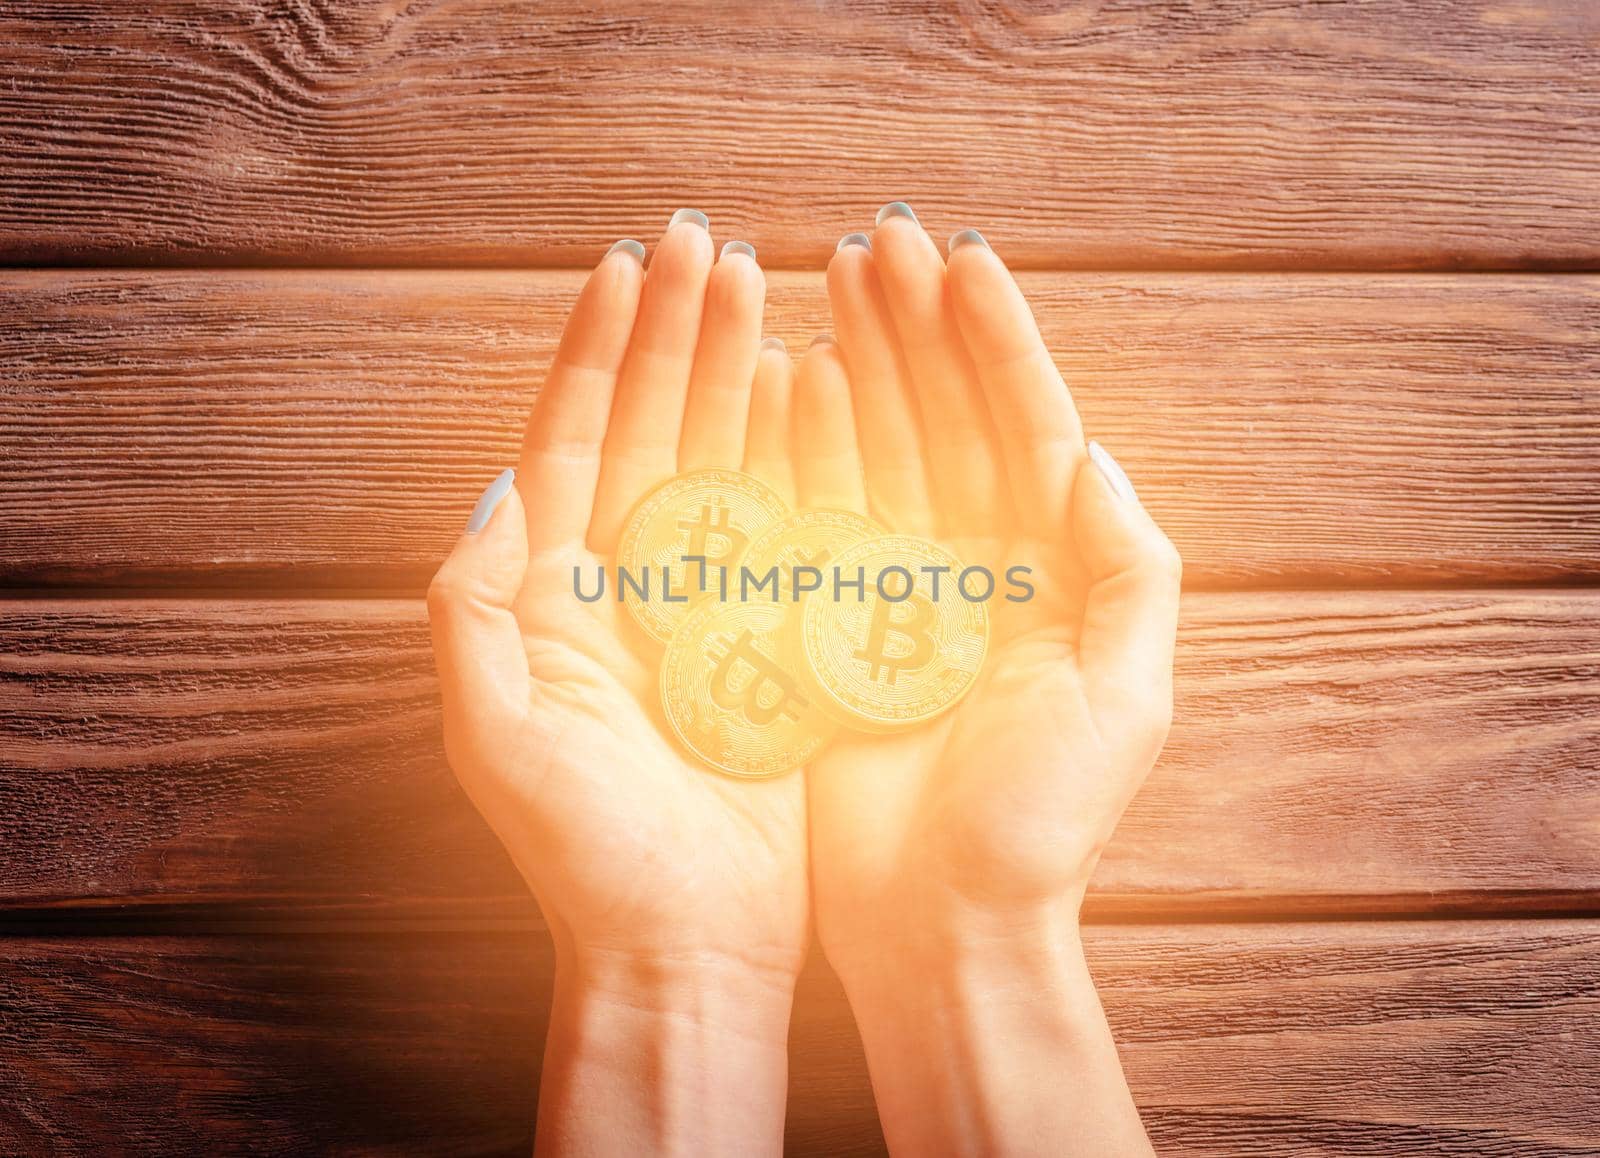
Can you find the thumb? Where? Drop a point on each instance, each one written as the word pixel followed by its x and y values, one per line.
pixel 1130 617
pixel 477 645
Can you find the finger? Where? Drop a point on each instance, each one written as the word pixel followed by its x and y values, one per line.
pixel 483 670
pixel 718 405
pixel 827 461
pixel 1130 617
pixel 560 463
pixel 1032 410
pixel 890 429
pixel 766 446
pixel 641 443
pixel 959 438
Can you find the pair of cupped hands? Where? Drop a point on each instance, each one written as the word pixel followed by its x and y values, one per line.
pixel 944 867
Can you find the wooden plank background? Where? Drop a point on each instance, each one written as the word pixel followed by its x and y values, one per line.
pixel 1441 134
pixel 1324 276
pixel 1385 1039
pixel 1332 752
pixel 1288 430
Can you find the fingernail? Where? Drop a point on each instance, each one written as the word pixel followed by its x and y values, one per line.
pixel 1113 472
pixel 774 344
pixel 743 247
pixel 965 237
pixel 821 338
pixel 693 216
pixel 628 245
pixel 860 239
pixel 895 209
pixel 490 499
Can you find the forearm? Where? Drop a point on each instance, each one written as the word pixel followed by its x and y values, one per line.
pixel 994 1044
pixel 664 1059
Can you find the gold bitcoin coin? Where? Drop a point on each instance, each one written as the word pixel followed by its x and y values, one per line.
pixel 710 514
pixel 804 539
pixel 902 652
pixel 730 699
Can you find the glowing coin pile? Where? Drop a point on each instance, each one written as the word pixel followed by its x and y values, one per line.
pixel 781 627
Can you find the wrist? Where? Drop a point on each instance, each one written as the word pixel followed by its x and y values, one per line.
pixel 972 966
pixel 665 1055
pixel 988 1037
pixel 949 937
pixel 718 994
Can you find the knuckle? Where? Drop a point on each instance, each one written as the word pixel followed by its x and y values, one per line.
pixel 1165 559
pixel 444 591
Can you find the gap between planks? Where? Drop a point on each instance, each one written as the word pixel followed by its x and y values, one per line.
pixel 208 918
pixel 226 269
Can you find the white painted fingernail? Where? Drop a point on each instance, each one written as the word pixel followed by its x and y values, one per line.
pixel 628 245
pixel 743 247
pixel 693 216
pixel 965 237
pixel 490 499
pixel 1113 472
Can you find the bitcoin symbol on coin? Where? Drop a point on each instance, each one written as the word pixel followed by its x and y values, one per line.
pixel 713 526
pixel 913 625
pixel 730 700
pixel 883 664
pixel 709 514
pixel 784 701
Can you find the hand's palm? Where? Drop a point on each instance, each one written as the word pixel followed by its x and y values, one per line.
pixel 967 432
pixel 551 703
pixel 647 839
pixel 992 796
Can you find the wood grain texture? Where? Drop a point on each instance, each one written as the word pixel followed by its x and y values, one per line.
pixel 1446 134
pixel 1246 1041
pixel 329 431
pixel 1353 753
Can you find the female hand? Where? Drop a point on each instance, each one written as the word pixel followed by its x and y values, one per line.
pixel 949 862
pixel 677 899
